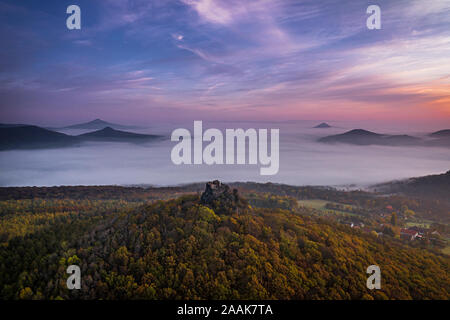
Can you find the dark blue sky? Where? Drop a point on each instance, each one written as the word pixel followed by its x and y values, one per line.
pixel 141 61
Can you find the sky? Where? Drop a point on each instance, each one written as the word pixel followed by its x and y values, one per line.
pixel 141 61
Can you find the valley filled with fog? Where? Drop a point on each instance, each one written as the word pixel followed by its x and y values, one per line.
pixel 303 160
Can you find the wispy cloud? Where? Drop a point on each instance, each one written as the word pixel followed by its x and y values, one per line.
pixel 261 58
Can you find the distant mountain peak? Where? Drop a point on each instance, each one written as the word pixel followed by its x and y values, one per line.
pixel 110 134
pixel 441 133
pixel 108 129
pixel 98 124
pixel 323 125
pixel 365 137
pixel 98 121
pixel 33 137
pixel 361 132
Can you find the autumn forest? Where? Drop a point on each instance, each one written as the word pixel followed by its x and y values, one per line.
pixel 243 241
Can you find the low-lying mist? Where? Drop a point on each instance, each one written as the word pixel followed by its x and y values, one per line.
pixel 303 161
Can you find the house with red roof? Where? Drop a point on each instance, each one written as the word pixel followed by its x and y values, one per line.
pixel 408 234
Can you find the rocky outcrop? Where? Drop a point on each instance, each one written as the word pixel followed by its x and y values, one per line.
pixel 220 197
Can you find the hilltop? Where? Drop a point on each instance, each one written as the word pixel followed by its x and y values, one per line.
pixel 33 137
pixel 323 125
pixel 441 133
pixel 12 125
pixel 364 137
pixel 440 138
pixel 109 134
pixel 432 186
pixel 98 124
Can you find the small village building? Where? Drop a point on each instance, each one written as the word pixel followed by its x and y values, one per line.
pixel 408 234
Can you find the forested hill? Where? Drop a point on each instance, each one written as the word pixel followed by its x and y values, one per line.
pixel 209 246
pixel 432 186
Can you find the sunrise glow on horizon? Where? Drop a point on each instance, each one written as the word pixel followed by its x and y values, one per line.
pixel 140 61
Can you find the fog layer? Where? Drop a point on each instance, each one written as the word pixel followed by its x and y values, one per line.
pixel 303 161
